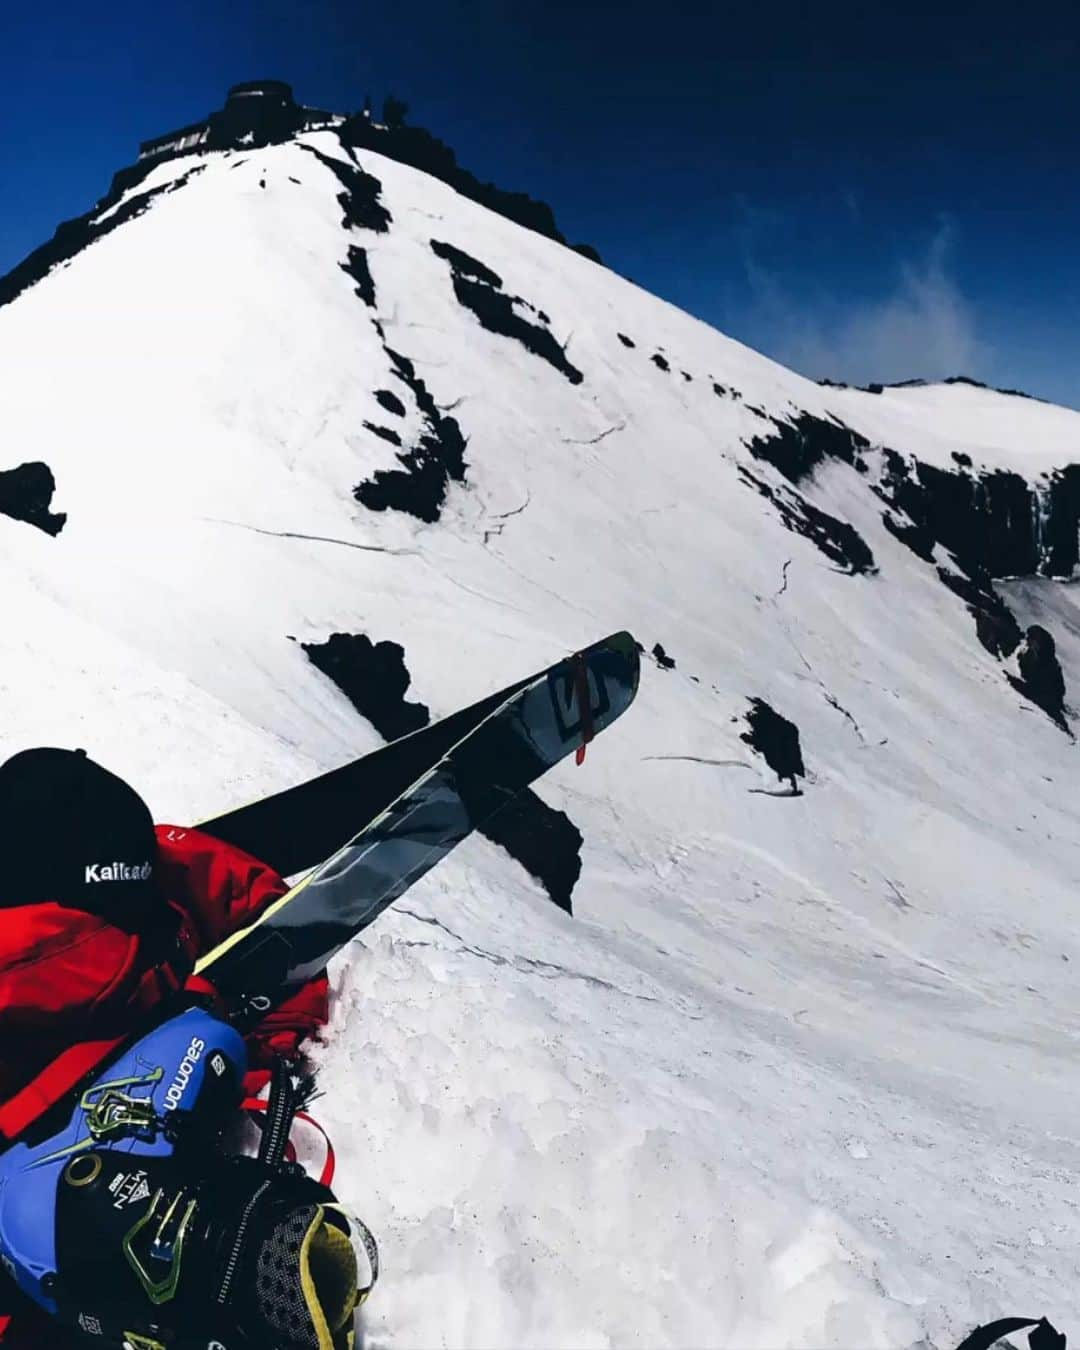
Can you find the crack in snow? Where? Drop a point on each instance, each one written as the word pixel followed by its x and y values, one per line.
pixel 315 538
pixel 505 516
pixel 528 966
pixel 832 701
pixel 700 759
pixel 595 440
pixel 829 697
pixel 902 902
pixel 563 600
pixel 469 590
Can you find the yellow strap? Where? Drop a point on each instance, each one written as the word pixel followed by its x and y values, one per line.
pixel 328 1277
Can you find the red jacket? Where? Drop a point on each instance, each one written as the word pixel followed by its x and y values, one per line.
pixel 72 986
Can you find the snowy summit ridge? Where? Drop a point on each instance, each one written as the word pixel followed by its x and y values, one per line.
pixel 301 446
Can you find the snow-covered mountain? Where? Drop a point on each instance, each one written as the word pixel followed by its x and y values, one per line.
pixel 800 1071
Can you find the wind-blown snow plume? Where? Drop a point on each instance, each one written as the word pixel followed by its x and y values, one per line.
pixel 920 323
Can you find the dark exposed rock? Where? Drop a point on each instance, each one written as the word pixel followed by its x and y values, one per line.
pixel 840 384
pixel 357 268
pixel 544 841
pixel 419 486
pixel 385 433
pixel 995 624
pixel 916 537
pixel 421 150
pixel 373 677
pixel 993 523
pixel 978 384
pixel 1061 525
pixel 26 494
pixel 664 661
pixel 989 520
pixel 479 289
pixel 360 199
pixel 461 263
pixel 840 542
pixel 797 447
pixel 877 388
pixel 626 342
pixel 390 402
pixel 986 521
pixel 660 362
pixel 776 740
pixel 72 236
pixel 1041 679
pixel 452 443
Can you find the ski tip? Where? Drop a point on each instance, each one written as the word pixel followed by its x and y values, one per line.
pixel 630 648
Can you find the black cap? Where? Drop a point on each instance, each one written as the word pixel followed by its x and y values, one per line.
pixel 73 832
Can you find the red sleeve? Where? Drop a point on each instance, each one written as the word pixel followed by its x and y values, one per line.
pixel 61 966
pixel 223 889
pixel 66 978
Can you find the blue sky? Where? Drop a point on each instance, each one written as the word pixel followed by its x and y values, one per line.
pixel 864 191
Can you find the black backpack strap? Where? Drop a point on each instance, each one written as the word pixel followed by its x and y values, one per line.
pixel 280 1113
pixel 1043 1337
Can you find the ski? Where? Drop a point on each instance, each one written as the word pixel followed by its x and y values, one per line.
pixel 295 829
pixel 478 761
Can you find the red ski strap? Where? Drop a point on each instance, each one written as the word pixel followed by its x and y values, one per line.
pixel 581 685
pixel 326 1176
pixel 204 992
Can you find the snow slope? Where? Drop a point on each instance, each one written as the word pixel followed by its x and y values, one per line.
pixel 801 1070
